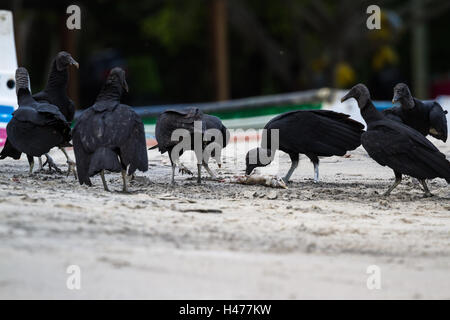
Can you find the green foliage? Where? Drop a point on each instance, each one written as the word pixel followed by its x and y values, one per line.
pixel 167 44
pixel 176 24
pixel 145 75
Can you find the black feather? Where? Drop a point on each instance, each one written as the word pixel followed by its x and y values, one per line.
pixel 55 91
pixel 427 117
pixel 108 134
pixel 315 133
pixel 35 127
pixel 400 147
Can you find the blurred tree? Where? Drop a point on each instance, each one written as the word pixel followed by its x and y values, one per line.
pixel 175 25
pixel 273 46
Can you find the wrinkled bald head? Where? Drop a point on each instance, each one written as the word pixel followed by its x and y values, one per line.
pixel 258 157
pixel 117 75
pixel 403 96
pixel 22 79
pixel 63 60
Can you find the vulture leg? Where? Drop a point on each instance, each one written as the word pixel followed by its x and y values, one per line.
pixel 425 188
pixel 206 166
pixel 174 165
pixel 71 163
pixel 316 172
pixel 51 163
pixel 173 173
pixel 31 163
pixel 398 179
pixel 124 179
pixel 199 174
pixel 294 165
pixel 315 160
pixel 105 186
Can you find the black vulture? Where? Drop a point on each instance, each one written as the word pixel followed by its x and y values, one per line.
pixel 398 146
pixel 55 92
pixel 314 133
pixel 427 117
pixel 109 136
pixel 220 131
pixel 192 128
pixel 35 127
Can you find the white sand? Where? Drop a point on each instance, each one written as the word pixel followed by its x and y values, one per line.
pixel 312 241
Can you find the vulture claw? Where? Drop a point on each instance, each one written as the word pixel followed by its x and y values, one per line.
pixel 51 165
pixel 72 168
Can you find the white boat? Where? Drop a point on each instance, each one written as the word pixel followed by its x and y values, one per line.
pixel 8 66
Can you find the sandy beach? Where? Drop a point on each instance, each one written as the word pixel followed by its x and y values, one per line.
pixel 220 240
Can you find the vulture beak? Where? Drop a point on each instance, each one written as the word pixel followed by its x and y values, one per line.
pixel 125 84
pixel 347 96
pixel 219 165
pixel 396 98
pixel 74 63
pixel 123 80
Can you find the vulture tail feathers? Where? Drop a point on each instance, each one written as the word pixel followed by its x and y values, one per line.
pixel 104 159
pixel 10 151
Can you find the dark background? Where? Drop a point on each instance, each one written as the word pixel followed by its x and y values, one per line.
pixel 200 50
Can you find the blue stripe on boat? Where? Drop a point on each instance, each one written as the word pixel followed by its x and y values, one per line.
pixel 381 105
pixel 5 113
